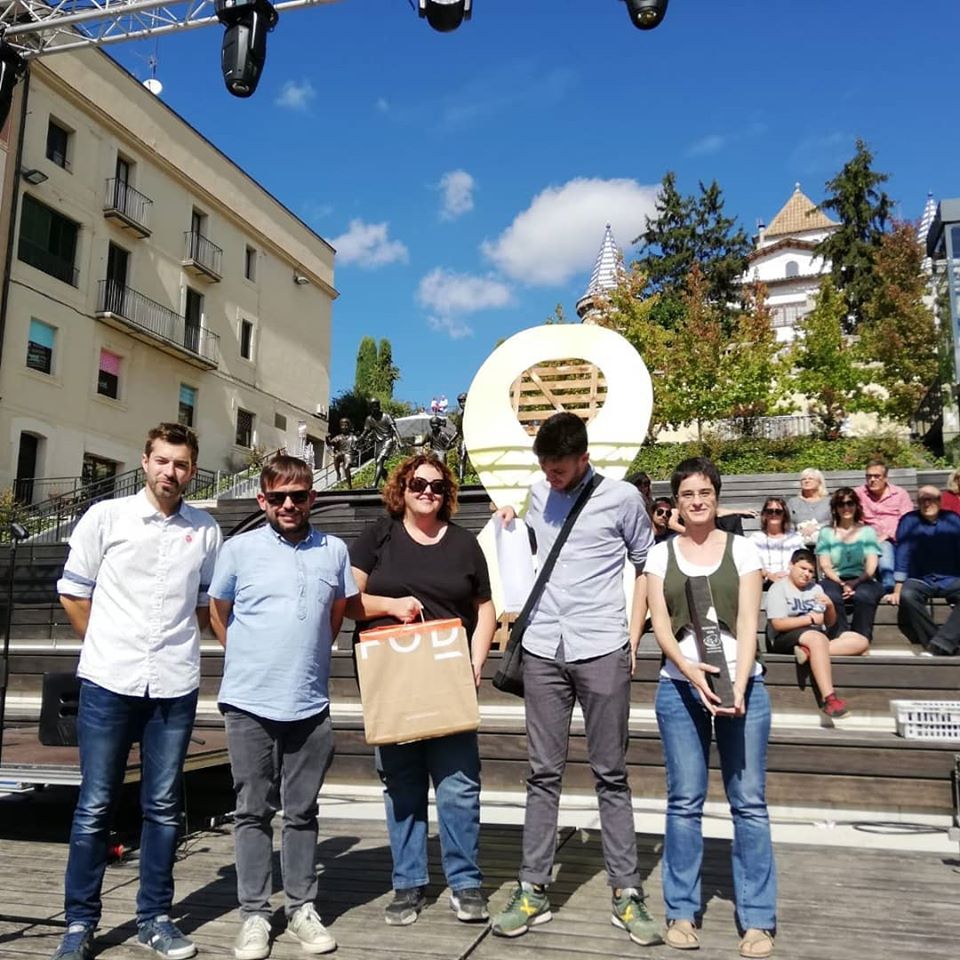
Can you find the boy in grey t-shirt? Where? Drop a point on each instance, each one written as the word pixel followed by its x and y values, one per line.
pixel 799 615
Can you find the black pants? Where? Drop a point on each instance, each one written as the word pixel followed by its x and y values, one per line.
pixel 913 616
pixel 865 599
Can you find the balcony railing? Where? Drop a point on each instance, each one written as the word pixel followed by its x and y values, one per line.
pixel 203 255
pixel 41 258
pixel 159 322
pixel 127 205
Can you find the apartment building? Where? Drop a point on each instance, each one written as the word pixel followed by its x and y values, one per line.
pixel 146 278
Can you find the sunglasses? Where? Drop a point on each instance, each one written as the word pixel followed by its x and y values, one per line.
pixel 662 512
pixel 419 484
pixel 846 503
pixel 773 511
pixel 277 498
pixel 874 476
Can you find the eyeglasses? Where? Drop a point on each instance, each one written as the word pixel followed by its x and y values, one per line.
pixel 773 511
pixel 277 498
pixel 846 503
pixel 419 484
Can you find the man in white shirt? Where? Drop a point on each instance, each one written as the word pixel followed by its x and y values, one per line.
pixel 135 589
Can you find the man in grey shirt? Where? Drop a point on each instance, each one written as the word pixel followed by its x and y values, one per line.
pixel 576 649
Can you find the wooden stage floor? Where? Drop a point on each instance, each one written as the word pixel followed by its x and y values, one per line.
pixel 836 903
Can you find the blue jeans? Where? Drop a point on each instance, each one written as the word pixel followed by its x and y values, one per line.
pixel 685 729
pixel 108 724
pixel 453 764
pixel 886 565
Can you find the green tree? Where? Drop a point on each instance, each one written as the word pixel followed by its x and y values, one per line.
pixel 365 378
pixel 898 333
pixel 386 374
pixel 863 209
pixel 825 366
pixel 687 231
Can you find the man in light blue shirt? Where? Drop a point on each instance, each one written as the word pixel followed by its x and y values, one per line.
pixel 576 648
pixel 277 601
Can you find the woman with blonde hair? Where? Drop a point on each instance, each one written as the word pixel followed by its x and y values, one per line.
pixel 950 498
pixel 811 508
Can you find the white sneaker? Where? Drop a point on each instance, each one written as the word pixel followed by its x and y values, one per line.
pixel 253 940
pixel 305 925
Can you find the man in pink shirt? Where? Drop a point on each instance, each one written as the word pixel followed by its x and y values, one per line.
pixel 883 505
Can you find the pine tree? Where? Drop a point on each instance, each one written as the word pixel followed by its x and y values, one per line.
pixel 387 374
pixel 856 200
pixel 365 378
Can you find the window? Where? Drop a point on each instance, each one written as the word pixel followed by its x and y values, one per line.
pixel 188 404
pixel 244 436
pixel 108 379
pixel 246 339
pixel 40 346
pixel 58 143
pixel 48 241
pixel 280 421
pixel 250 263
pixel 793 269
pixel 193 317
pixel 98 473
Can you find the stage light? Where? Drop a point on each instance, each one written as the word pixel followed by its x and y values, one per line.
pixel 446 15
pixel 647 14
pixel 244 50
pixel 12 66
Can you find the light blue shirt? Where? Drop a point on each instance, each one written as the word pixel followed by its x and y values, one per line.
pixel 583 604
pixel 277 661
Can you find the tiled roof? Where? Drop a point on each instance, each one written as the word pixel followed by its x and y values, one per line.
pixel 799 215
pixel 606 271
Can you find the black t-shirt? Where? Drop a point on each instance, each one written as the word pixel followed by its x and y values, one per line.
pixel 449 578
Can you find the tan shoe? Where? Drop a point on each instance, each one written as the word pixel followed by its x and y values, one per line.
pixel 681 935
pixel 756 944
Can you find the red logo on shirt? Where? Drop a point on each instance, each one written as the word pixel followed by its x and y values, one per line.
pixel 189 538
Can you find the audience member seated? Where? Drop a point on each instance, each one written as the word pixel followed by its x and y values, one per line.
pixel 775 540
pixel 799 614
pixel 811 509
pixel 642 482
pixel 848 552
pixel 660 516
pixel 928 565
pixel 883 504
pixel 950 499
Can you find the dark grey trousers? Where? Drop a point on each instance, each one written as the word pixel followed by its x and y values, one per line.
pixel 277 764
pixel 602 688
pixel 915 621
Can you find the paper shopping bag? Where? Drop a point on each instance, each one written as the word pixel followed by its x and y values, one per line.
pixel 416 682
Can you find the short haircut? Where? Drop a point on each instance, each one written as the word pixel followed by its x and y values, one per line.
pixel 878 462
pixel 396 485
pixel 804 554
pixel 846 493
pixel 787 524
pixel 284 469
pixel 664 500
pixel 175 433
pixel 562 435
pixel 690 468
pixel 818 476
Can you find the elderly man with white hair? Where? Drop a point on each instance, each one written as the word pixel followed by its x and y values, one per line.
pixel 928 565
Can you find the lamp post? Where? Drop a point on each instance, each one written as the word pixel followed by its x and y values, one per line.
pixel 17 533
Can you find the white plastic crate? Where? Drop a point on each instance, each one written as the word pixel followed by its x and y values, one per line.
pixel 927 719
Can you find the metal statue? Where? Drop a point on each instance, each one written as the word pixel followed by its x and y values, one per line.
pixel 344 446
pixel 380 428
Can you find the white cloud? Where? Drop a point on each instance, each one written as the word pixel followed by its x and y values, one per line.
pixel 296 96
pixel 705 146
pixel 368 245
pixel 457 189
pixel 451 293
pixel 382 104
pixel 559 234
pixel 453 327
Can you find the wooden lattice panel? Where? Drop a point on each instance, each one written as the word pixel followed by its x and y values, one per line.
pixel 574 386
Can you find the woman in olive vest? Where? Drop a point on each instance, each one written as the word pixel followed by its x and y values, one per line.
pixel 689 715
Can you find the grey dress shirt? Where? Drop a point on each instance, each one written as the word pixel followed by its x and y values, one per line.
pixel 583 605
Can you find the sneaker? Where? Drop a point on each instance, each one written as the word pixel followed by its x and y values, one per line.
pixel 630 913
pixel 835 708
pixel 801 653
pixel 527 907
pixel 253 940
pixel 77 943
pixel 305 925
pixel 470 905
pixel 162 937
pixel 405 907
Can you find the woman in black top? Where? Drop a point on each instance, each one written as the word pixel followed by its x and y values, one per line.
pixel 415 561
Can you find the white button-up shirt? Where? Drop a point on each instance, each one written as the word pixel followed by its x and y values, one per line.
pixel 146 575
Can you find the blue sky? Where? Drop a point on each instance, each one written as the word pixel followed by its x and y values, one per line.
pixel 466 178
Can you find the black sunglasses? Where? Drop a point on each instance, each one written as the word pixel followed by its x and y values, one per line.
pixel 662 512
pixel 277 498
pixel 419 484
pixel 774 511
pixel 846 503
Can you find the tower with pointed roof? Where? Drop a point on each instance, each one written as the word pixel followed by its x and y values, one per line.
pixel 607 273
pixel 785 261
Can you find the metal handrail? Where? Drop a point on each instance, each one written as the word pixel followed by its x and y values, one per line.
pixel 203 251
pixel 156 319
pixel 123 198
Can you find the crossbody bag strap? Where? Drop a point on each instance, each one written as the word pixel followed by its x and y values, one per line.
pixel 551 560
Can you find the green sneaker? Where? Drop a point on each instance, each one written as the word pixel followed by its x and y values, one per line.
pixel 527 907
pixel 630 914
